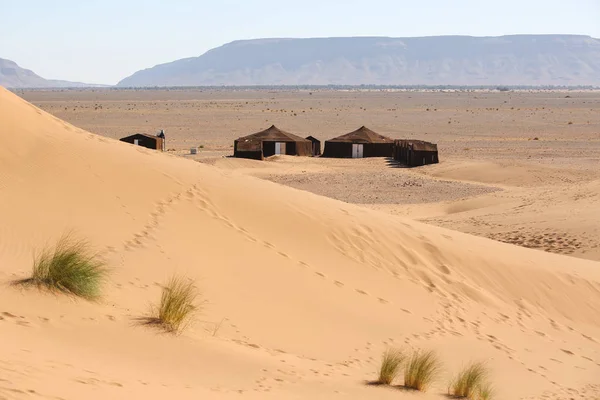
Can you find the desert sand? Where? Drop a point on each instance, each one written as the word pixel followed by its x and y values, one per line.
pixel 302 292
pixel 519 167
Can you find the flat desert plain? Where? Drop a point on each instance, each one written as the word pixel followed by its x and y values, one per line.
pixel 302 292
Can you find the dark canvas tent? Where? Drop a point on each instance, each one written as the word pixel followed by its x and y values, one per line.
pixel 363 142
pixel 271 141
pixel 316 145
pixel 415 152
pixel 144 140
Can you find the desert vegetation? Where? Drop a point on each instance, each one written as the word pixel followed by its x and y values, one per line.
pixel 178 305
pixel 421 370
pixel 70 267
pixel 471 383
pixel 391 363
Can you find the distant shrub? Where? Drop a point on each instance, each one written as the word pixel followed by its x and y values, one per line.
pixel 69 267
pixel 421 370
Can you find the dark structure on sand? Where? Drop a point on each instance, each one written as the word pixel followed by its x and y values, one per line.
pixel 270 142
pixel 155 142
pixel 316 145
pixel 363 142
pixel 414 153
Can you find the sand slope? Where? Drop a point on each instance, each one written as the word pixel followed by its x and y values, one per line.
pixel 551 208
pixel 308 290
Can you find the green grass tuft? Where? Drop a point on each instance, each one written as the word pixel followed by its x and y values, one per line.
pixel 421 370
pixel 69 267
pixel 390 365
pixel 177 304
pixel 471 383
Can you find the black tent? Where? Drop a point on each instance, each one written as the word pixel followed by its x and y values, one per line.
pixel 144 140
pixel 316 145
pixel 360 143
pixel 271 141
pixel 415 152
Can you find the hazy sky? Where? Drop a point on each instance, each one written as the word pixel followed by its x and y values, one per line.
pixel 103 41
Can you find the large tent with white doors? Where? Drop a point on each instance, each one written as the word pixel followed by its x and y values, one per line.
pixel 270 142
pixel 360 143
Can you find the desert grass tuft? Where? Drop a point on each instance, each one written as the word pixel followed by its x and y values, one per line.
pixel 485 392
pixel 177 304
pixel 421 370
pixel 391 362
pixel 471 383
pixel 69 267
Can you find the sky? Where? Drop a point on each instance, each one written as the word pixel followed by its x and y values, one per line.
pixel 104 41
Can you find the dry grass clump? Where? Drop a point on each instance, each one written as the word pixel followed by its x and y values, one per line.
pixel 69 267
pixel 390 366
pixel 485 392
pixel 421 370
pixel 177 305
pixel 471 383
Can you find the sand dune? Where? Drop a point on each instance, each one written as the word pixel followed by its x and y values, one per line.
pixel 506 174
pixel 542 207
pixel 308 291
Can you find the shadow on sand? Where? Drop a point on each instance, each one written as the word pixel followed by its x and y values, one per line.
pixel 394 164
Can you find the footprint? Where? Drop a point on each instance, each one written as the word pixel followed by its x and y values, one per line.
pixel 444 269
pixel 361 292
pixel 282 254
pixel 591 339
pixel 338 284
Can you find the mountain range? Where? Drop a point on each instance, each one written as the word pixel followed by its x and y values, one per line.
pixel 535 60
pixel 518 60
pixel 14 76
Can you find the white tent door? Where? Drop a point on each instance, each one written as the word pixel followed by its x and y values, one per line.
pixel 357 151
pixel 136 142
pixel 279 148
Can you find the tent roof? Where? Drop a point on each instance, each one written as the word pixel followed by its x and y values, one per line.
pixel 142 134
pixel 272 134
pixel 362 135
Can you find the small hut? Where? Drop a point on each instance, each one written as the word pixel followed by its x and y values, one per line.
pixel 149 141
pixel 316 145
pixel 414 153
pixel 271 141
pixel 363 142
